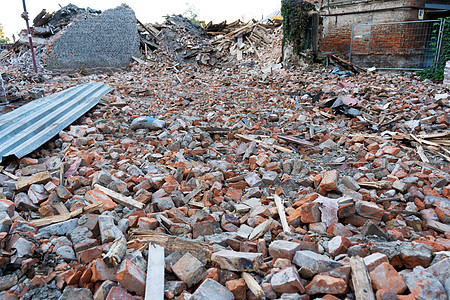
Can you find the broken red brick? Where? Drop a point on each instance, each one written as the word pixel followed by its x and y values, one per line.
pixel 131 277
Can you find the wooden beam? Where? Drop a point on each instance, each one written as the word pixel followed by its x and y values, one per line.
pixel 360 279
pixel 154 288
pixel 59 206
pixel 303 143
pixel 237 31
pixel 121 199
pixel 250 139
pixel 153 34
pixel 42 177
pixel 422 155
pixel 380 185
pixel 348 64
pixel 253 285
pixel 12 176
pixel 282 214
pixel 61 218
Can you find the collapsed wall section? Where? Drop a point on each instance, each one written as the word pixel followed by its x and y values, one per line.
pixel 96 43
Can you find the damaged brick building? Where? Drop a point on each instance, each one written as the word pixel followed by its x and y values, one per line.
pixel 396 34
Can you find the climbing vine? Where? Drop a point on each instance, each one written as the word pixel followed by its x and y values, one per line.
pixel 436 72
pixel 295 19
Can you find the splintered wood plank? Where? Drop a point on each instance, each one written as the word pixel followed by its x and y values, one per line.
pixel 121 199
pixel 253 285
pixel 61 218
pixel 250 139
pixel 360 279
pixel 171 243
pixel 42 177
pixel 294 140
pixel 282 214
pixel 116 252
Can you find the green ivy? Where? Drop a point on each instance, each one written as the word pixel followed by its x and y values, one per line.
pixel 295 19
pixel 436 72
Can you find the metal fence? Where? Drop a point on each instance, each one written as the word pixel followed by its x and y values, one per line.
pixel 411 45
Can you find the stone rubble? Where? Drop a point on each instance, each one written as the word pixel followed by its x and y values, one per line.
pixel 374 185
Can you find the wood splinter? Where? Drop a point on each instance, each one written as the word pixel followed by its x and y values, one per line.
pixel 116 253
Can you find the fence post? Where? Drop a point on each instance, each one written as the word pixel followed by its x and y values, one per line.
pixel 3 99
pixel 439 42
pixel 351 44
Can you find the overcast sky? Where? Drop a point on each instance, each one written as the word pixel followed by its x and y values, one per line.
pixel 146 11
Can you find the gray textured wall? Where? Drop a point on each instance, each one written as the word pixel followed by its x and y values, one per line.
pixel 96 43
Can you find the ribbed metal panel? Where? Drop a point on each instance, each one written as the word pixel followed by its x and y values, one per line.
pixel 27 128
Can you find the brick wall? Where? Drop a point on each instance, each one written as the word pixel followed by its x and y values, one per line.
pixel 336 29
pixel 397 46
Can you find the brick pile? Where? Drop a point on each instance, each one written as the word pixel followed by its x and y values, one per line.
pixel 372 183
pixel 447 73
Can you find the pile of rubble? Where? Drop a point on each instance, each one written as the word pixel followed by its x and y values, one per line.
pixel 185 42
pixel 293 185
pixel 65 39
pixel 238 38
pixel 238 184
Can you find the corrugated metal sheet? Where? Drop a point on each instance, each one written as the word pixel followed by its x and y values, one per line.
pixel 27 128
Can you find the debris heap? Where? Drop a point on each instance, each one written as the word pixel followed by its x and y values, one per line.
pixel 238 37
pixel 192 183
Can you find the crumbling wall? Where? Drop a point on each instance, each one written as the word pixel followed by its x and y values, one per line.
pixel 96 43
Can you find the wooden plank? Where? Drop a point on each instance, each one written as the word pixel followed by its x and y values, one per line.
pixel 422 155
pixel 282 214
pixel 12 176
pixel 435 135
pixel 439 153
pixel 440 142
pixel 237 31
pixel 196 204
pixel 60 207
pixel 42 177
pixel 171 244
pixel 300 142
pixel 348 64
pixel 253 285
pixel 360 279
pixel 380 185
pixel 121 199
pixel 192 193
pixel 138 60
pixel 438 226
pixel 254 48
pixel 154 287
pixel 61 218
pixel 152 33
pixel 236 178
pixel 421 141
pixel 250 139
